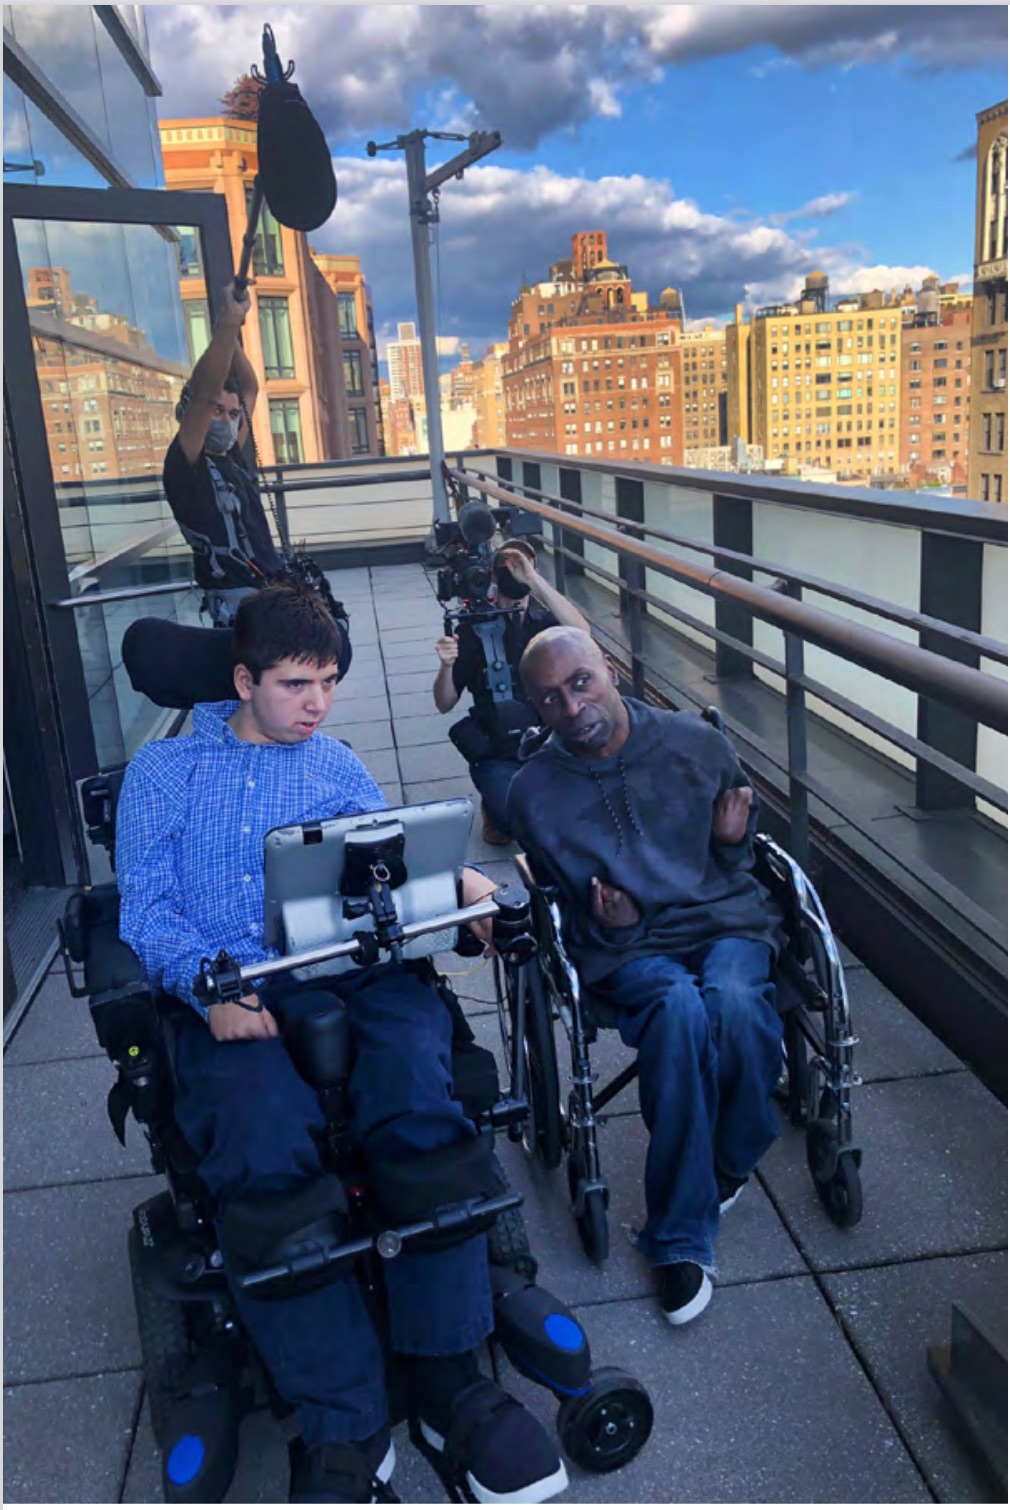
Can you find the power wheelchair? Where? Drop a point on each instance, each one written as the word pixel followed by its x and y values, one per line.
pixel 818 1074
pixel 201 1371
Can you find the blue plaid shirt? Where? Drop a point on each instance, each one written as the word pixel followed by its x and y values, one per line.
pixel 191 820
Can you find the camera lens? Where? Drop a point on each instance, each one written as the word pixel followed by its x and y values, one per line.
pixel 476 580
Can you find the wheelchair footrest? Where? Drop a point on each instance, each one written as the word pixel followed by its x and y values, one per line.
pixel 541 1337
pixel 200 1435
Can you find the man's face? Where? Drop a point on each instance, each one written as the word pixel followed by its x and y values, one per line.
pixel 288 703
pixel 574 692
pixel 225 420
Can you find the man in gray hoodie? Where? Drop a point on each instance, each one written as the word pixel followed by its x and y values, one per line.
pixel 644 820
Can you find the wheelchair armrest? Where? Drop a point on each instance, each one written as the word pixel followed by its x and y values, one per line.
pixel 528 879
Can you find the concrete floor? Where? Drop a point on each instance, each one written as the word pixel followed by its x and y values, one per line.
pixel 806 1379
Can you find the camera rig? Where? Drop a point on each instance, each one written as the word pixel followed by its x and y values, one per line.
pixel 462 554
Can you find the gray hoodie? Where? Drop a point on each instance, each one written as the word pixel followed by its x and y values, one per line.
pixel 642 820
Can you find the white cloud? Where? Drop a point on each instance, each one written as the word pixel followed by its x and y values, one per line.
pixel 530 71
pixel 501 225
pixel 817 208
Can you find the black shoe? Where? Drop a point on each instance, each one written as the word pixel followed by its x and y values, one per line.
pixel 488 1448
pixel 729 1187
pixel 684 1291
pixel 343 1473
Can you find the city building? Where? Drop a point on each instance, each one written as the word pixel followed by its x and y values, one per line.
pixel 406 375
pixel 987 464
pixel 816 385
pixel 700 371
pixel 590 363
pixel 313 383
pixel 361 359
pixel 935 387
pixel 489 397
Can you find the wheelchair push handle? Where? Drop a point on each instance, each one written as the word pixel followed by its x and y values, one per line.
pixel 224 979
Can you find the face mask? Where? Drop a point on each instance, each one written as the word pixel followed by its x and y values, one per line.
pixel 221 435
pixel 509 586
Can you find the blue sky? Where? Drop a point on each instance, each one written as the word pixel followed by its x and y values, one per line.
pixel 725 150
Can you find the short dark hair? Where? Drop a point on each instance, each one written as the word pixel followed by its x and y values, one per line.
pixel 523 546
pixel 276 624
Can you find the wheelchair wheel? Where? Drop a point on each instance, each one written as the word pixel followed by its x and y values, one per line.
pixel 165 1347
pixel 544 1134
pixel 835 1174
pixel 609 1425
pixel 591 1222
pixel 509 1247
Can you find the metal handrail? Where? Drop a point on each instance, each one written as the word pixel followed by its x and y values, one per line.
pixel 994 649
pixel 981 696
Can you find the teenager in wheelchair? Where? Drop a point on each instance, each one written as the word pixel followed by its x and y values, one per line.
pixel 337 1239
pixel 660 911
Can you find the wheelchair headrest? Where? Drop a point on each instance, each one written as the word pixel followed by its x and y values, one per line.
pixel 178 665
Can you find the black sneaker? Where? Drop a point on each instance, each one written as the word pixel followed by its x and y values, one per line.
pixel 343 1473
pixel 684 1291
pixel 491 1449
pixel 729 1187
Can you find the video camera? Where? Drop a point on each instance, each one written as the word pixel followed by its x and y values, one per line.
pixel 463 554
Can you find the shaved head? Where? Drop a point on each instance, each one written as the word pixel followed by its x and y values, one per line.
pixel 573 687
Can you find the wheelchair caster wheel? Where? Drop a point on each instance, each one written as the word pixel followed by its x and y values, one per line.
pixel 609 1425
pixel 590 1216
pixel 842 1194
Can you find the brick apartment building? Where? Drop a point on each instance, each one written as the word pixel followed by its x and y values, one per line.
pixel 935 386
pixel 590 367
pixel 987 466
pixel 701 364
pixel 293 334
pixel 360 357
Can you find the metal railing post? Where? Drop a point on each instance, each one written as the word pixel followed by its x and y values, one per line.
pixel 631 505
pixel 281 507
pixel 570 488
pixel 796 739
pixel 732 526
pixel 950 588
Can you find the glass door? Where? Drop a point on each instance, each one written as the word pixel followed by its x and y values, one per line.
pixel 108 297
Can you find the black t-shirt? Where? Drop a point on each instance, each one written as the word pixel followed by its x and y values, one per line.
pixel 218 508
pixel 469 666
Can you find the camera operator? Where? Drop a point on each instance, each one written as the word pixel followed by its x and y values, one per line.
pixel 491 754
pixel 211 492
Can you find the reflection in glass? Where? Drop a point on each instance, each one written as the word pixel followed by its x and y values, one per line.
pixel 128 111
pixel 60 40
pixel 188 252
pixel 286 428
pixel 347 308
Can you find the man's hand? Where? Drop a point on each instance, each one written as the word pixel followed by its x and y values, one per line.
pixel 730 813
pixel 475 888
pixel 520 566
pixel 610 906
pixel 234 306
pixel 230 1021
pixel 448 649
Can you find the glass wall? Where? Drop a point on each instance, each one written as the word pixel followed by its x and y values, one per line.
pixel 74 50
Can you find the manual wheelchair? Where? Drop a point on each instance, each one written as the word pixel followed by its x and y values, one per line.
pixel 814 1088
pixel 201 1371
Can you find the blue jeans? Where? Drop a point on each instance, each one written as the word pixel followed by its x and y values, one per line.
pixel 709 1045
pixel 250 1116
pixel 492 778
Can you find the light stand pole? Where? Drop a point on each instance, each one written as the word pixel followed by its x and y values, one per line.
pixel 423 213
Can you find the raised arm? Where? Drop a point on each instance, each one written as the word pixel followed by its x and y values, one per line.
pixel 210 372
pixel 547 596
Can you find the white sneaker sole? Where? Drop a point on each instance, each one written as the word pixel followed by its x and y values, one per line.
pixel 529 1494
pixel 694 1307
pixel 387 1467
pixel 731 1201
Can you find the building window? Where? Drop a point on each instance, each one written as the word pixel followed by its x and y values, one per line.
pixel 358 426
pixel 188 253
pixel 286 428
pixel 268 250
pixel 197 317
pixel 275 333
pixel 347 307
pixel 354 380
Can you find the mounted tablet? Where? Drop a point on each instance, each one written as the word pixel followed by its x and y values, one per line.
pixel 316 877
